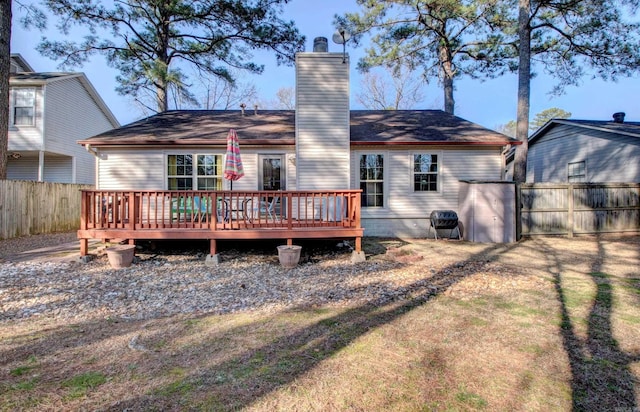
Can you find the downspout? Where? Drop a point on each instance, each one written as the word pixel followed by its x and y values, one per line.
pixel 94 152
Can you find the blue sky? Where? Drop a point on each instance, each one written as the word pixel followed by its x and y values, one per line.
pixel 489 103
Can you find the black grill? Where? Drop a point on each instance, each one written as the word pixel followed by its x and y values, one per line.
pixel 444 219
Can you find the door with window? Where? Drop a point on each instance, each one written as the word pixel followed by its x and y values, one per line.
pixel 272 172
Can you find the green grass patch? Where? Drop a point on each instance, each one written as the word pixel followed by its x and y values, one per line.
pixel 180 387
pixel 26 385
pixel 80 384
pixel 21 370
pixel 471 400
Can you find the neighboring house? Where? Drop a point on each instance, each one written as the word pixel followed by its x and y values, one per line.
pixel 565 150
pixel 589 151
pixel 49 113
pixel 407 163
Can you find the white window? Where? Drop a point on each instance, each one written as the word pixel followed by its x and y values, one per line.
pixel 372 180
pixel 577 172
pixel 24 106
pixel 206 175
pixel 425 172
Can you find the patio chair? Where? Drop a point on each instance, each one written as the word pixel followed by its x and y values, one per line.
pixel 267 208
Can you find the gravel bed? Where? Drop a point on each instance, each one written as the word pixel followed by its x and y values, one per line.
pixel 161 284
pixel 175 280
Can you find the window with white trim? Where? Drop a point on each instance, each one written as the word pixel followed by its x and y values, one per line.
pixel 24 106
pixel 425 172
pixel 372 180
pixel 206 174
pixel 577 171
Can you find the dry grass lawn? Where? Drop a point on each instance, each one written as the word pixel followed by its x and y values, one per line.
pixel 547 324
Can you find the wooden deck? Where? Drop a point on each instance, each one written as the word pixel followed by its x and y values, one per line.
pixel 219 215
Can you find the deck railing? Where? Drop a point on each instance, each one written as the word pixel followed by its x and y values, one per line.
pixel 218 210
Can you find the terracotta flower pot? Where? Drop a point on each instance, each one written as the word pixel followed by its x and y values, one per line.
pixel 289 255
pixel 120 256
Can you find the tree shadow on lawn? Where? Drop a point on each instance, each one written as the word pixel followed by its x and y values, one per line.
pixel 239 382
pixel 600 370
pixel 252 373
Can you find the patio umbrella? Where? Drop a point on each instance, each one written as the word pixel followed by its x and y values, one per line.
pixel 233 165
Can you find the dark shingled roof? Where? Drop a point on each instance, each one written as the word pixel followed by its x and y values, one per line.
pixel 419 127
pixel 40 76
pixel 198 127
pixel 627 128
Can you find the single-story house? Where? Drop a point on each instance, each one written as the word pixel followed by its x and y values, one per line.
pixel 406 163
pixel 584 151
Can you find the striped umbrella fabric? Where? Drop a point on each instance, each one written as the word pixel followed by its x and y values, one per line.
pixel 233 164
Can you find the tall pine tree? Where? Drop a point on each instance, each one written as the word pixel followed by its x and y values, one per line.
pixel 569 39
pixel 445 38
pixel 147 41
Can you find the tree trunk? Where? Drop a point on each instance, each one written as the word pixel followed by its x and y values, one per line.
pixel 524 92
pixel 5 66
pixel 447 79
pixel 162 98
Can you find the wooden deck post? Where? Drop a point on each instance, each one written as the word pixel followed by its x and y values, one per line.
pixel 84 247
pixel 213 247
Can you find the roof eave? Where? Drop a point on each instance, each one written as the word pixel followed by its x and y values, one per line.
pixel 541 131
pixel 198 142
pixel 436 143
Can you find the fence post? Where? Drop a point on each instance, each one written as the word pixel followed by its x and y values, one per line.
pixel 570 207
pixel 518 211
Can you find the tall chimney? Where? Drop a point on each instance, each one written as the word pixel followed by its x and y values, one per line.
pixel 322 121
pixel 618 117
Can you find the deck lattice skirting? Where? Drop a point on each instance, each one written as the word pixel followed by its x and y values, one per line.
pixel 219 215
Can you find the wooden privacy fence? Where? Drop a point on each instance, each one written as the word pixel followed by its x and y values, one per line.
pixel 584 208
pixel 30 208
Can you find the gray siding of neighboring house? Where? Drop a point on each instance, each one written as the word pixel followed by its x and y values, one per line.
pixel 58 169
pixel 322 121
pixel 608 157
pixel 406 212
pixel 65 112
pixel 24 168
pixel 71 114
pixel 27 138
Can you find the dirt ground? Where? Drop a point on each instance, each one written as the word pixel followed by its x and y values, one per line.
pixel 547 323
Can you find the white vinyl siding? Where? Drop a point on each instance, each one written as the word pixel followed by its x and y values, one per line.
pixel 454 165
pixel 322 121
pixel 130 170
pixel 146 168
pixel 609 157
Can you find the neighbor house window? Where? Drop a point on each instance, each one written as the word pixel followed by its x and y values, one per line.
pixel 24 106
pixel 425 172
pixel 206 174
pixel 577 172
pixel 372 180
